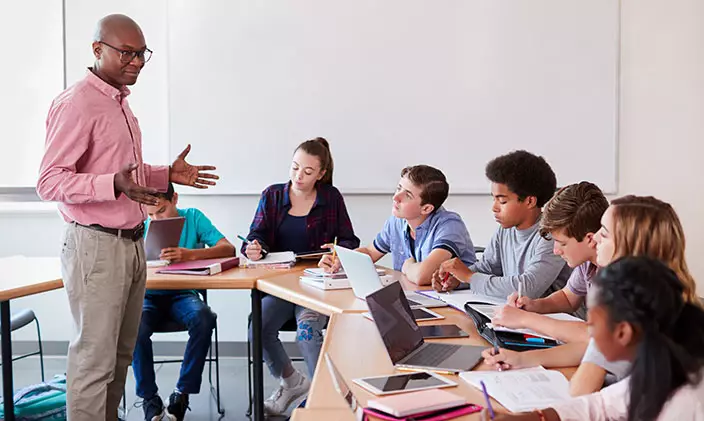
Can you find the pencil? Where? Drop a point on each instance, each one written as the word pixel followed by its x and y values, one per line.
pixel 334 250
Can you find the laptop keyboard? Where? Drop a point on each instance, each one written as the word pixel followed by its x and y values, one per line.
pixel 433 354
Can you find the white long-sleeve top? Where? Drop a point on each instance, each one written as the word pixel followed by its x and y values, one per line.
pixel 611 403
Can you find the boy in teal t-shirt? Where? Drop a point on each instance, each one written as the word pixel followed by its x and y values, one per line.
pixel 184 307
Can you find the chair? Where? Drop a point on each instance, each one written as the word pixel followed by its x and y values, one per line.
pixel 20 320
pixel 172 326
pixel 290 326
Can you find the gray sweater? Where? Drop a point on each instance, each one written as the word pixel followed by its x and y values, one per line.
pixel 515 256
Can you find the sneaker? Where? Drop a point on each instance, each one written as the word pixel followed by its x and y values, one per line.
pixel 153 409
pixel 178 404
pixel 284 396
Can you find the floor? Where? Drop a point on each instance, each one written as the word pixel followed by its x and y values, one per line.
pixel 233 386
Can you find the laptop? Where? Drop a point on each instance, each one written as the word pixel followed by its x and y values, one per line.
pixel 404 340
pixel 364 279
pixel 343 389
pixel 162 233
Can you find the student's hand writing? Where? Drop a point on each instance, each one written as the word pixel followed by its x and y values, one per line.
pixel 485 416
pixel 524 303
pixel 509 316
pixel 176 254
pixel 455 267
pixel 441 285
pixel 504 360
pixel 329 264
pixel 253 250
pixel 123 183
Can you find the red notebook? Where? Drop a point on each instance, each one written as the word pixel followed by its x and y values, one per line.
pixel 201 267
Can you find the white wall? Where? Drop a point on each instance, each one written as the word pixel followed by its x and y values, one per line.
pixel 662 105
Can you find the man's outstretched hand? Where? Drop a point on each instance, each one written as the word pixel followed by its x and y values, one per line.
pixel 191 175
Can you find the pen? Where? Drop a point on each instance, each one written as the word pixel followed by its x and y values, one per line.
pixel 495 342
pixel 520 290
pixel 444 280
pixel 244 240
pixel 334 250
pixel 486 398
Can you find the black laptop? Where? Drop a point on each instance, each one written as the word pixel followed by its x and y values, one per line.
pixel 404 340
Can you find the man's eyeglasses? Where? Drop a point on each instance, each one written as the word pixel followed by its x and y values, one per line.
pixel 127 56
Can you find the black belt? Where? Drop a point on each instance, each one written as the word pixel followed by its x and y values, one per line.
pixel 133 234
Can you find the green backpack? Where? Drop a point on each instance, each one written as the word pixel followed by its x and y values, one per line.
pixel 43 401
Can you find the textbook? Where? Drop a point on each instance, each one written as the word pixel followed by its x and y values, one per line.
pixel 201 267
pixel 522 390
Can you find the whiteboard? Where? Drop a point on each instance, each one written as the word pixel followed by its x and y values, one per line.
pixel 32 69
pixel 450 83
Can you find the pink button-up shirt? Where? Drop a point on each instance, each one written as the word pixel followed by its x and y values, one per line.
pixel 91 134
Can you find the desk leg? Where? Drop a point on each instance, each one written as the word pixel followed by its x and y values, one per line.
pixel 257 357
pixel 7 389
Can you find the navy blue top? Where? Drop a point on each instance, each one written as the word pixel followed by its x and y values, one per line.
pixel 292 234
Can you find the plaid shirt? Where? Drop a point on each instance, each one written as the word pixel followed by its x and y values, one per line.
pixel 326 220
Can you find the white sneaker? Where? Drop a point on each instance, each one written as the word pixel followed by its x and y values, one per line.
pixel 284 396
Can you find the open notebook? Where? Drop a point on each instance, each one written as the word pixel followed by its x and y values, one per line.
pixel 522 390
pixel 276 259
pixel 488 306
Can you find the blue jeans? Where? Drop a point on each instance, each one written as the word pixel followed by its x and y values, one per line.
pixel 185 308
pixel 309 335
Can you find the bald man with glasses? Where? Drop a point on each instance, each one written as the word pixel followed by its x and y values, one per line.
pixel 93 167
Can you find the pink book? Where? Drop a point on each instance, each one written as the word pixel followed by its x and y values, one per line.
pixel 201 267
pixel 434 404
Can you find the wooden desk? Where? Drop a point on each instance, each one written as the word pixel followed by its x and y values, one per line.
pixel 21 276
pixel 288 287
pixel 305 414
pixel 358 351
pixel 237 278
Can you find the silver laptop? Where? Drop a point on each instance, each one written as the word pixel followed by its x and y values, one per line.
pixel 343 389
pixel 162 233
pixel 404 341
pixel 364 279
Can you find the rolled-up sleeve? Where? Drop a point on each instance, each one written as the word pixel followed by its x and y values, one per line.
pixel 156 176
pixel 382 242
pixel 452 235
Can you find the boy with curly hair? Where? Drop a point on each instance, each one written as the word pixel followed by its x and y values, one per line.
pixel 517 257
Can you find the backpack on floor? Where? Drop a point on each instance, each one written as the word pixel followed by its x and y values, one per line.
pixel 41 402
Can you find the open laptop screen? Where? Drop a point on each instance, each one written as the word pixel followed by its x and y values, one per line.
pixel 394 320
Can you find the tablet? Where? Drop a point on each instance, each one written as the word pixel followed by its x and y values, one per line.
pixel 162 233
pixel 313 254
pixel 403 382
pixel 420 314
pixel 442 331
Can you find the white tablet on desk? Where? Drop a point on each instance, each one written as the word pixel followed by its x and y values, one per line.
pixel 403 382
pixel 162 233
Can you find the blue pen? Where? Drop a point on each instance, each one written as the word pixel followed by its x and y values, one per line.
pixel 535 340
pixel 486 399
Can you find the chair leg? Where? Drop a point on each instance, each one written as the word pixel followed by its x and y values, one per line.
pixel 221 410
pixel 249 376
pixel 41 349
